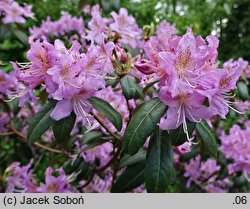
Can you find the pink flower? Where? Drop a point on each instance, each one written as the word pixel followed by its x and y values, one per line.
pixel 98 27
pixel 53 184
pixel 105 56
pixel 126 27
pixel 191 84
pixel 236 146
pixel 64 25
pixel 181 107
pixel 13 13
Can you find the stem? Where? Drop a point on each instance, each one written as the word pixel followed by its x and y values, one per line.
pixel 6 133
pixel 129 109
pixel 106 128
pixel 87 182
pixel 112 160
pixel 38 144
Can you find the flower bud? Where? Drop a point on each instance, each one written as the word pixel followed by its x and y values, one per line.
pixel 143 66
pixel 121 54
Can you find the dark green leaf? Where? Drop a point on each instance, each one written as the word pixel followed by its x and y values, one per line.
pixel 39 124
pixel 93 144
pixel 128 160
pixel 63 128
pixel 131 178
pixel 147 87
pixel 21 36
pixel 80 167
pixel 130 89
pixel 91 136
pixel 142 125
pixel 178 136
pixel 108 111
pixel 159 168
pixel 207 137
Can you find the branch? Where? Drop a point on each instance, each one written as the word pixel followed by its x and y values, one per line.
pixel 38 144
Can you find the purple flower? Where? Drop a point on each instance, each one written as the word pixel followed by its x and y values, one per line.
pixel 126 26
pixel 4 120
pixel 62 26
pixel 14 13
pixel 105 56
pixel 98 27
pixel 189 77
pixel 192 170
pixel 236 146
pixel 53 184
pixel 181 107
pixel 205 175
pixel 7 81
pixel 19 175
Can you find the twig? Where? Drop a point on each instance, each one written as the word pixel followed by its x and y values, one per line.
pixel 6 133
pixel 38 144
pixel 106 128
pixel 112 160
pixel 87 182
pixel 129 109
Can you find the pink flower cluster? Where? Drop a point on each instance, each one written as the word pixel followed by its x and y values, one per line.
pixel 204 175
pixel 122 25
pixel 236 146
pixel 61 27
pixel 21 179
pixel 191 83
pixel 69 76
pixel 12 12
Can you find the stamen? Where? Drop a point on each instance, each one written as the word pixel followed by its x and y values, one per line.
pixel 190 83
pixel 236 110
pixel 178 115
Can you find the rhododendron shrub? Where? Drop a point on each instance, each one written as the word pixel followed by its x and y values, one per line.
pixel 104 106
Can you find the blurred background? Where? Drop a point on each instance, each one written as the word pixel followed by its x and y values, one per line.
pixel 229 20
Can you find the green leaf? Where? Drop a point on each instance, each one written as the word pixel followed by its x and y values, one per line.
pixel 112 81
pixel 93 144
pixel 39 124
pixel 21 36
pixel 243 90
pixel 159 168
pixel 142 124
pixel 62 128
pixel 130 89
pixel 178 136
pixel 108 111
pixel 128 160
pixel 207 137
pixel 131 178
pixel 91 136
pixel 92 139
pixel 80 167
pixel 148 86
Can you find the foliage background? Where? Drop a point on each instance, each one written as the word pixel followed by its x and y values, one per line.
pixel 229 20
